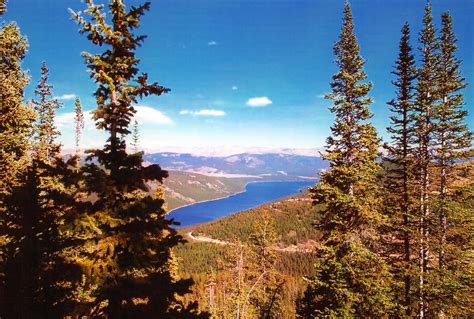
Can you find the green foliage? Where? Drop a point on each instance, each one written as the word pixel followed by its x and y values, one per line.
pixel 128 255
pixel 15 117
pixel 294 216
pixel 39 279
pixel 45 148
pixel 398 179
pixel 351 281
pixel 348 195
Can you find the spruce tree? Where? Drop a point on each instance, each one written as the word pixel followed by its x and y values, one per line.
pixel 451 135
pixel 129 255
pixel 266 297
pixel 39 279
pixel 79 123
pixel 16 118
pixel 398 172
pixel 16 122
pixel 46 147
pixel 425 103
pixel 351 279
pixel 452 142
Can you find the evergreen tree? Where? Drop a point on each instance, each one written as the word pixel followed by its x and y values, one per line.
pixel 39 279
pixel 398 172
pixel 351 279
pixel 426 98
pixel 452 141
pixel 16 118
pixel 452 136
pixel 266 295
pixel 16 122
pixel 79 121
pixel 130 252
pixel 46 148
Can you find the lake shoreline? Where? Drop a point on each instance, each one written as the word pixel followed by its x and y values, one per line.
pixel 251 197
pixel 239 192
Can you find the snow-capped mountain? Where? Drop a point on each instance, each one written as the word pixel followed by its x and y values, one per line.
pixel 267 165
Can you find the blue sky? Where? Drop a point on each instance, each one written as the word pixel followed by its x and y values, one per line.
pixel 242 73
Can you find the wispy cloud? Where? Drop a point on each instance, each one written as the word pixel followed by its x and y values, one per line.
pixel 144 115
pixel 260 101
pixel 66 97
pixel 204 112
pixel 149 115
pixel 211 43
pixel 321 96
pixel 234 88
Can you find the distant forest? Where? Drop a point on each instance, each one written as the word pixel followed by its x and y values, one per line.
pixel 387 232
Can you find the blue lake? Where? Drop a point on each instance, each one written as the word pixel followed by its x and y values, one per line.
pixel 256 193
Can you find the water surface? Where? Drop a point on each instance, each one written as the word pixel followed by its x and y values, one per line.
pixel 255 194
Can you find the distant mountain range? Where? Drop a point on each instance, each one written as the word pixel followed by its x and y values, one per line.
pixel 270 166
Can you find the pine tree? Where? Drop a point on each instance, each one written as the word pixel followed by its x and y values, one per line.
pixel 266 296
pixel 16 122
pixel 16 118
pixel 39 279
pixel 398 171
pixel 426 98
pixel 452 142
pixel 351 279
pixel 79 122
pixel 46 147
pixel 130 253
pixel 452 136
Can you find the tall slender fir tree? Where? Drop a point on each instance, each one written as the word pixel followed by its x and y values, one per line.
pixel 351 279
pixel 425 103
pixel 452 142
pixel 46 147
pixel 130 252
pixel 398 171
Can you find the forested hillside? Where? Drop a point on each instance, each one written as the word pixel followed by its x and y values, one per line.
pixel 184 188
pixel 387 231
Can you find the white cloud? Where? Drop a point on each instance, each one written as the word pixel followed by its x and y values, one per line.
pixel 211 43
pixel 259 101
pixel 66 97
pixel 321 96
pixel 234 88
pixel 144 115
pixel 148 115
pixel 204 112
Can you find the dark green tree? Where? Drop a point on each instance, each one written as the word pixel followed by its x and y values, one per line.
pixel 424 107
pixel 398 177
pixel 16 123
pixel 452 142
pixel 351 279
pixel 16 118
pixel 39 279
pixel 130 251
pixel 452 137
